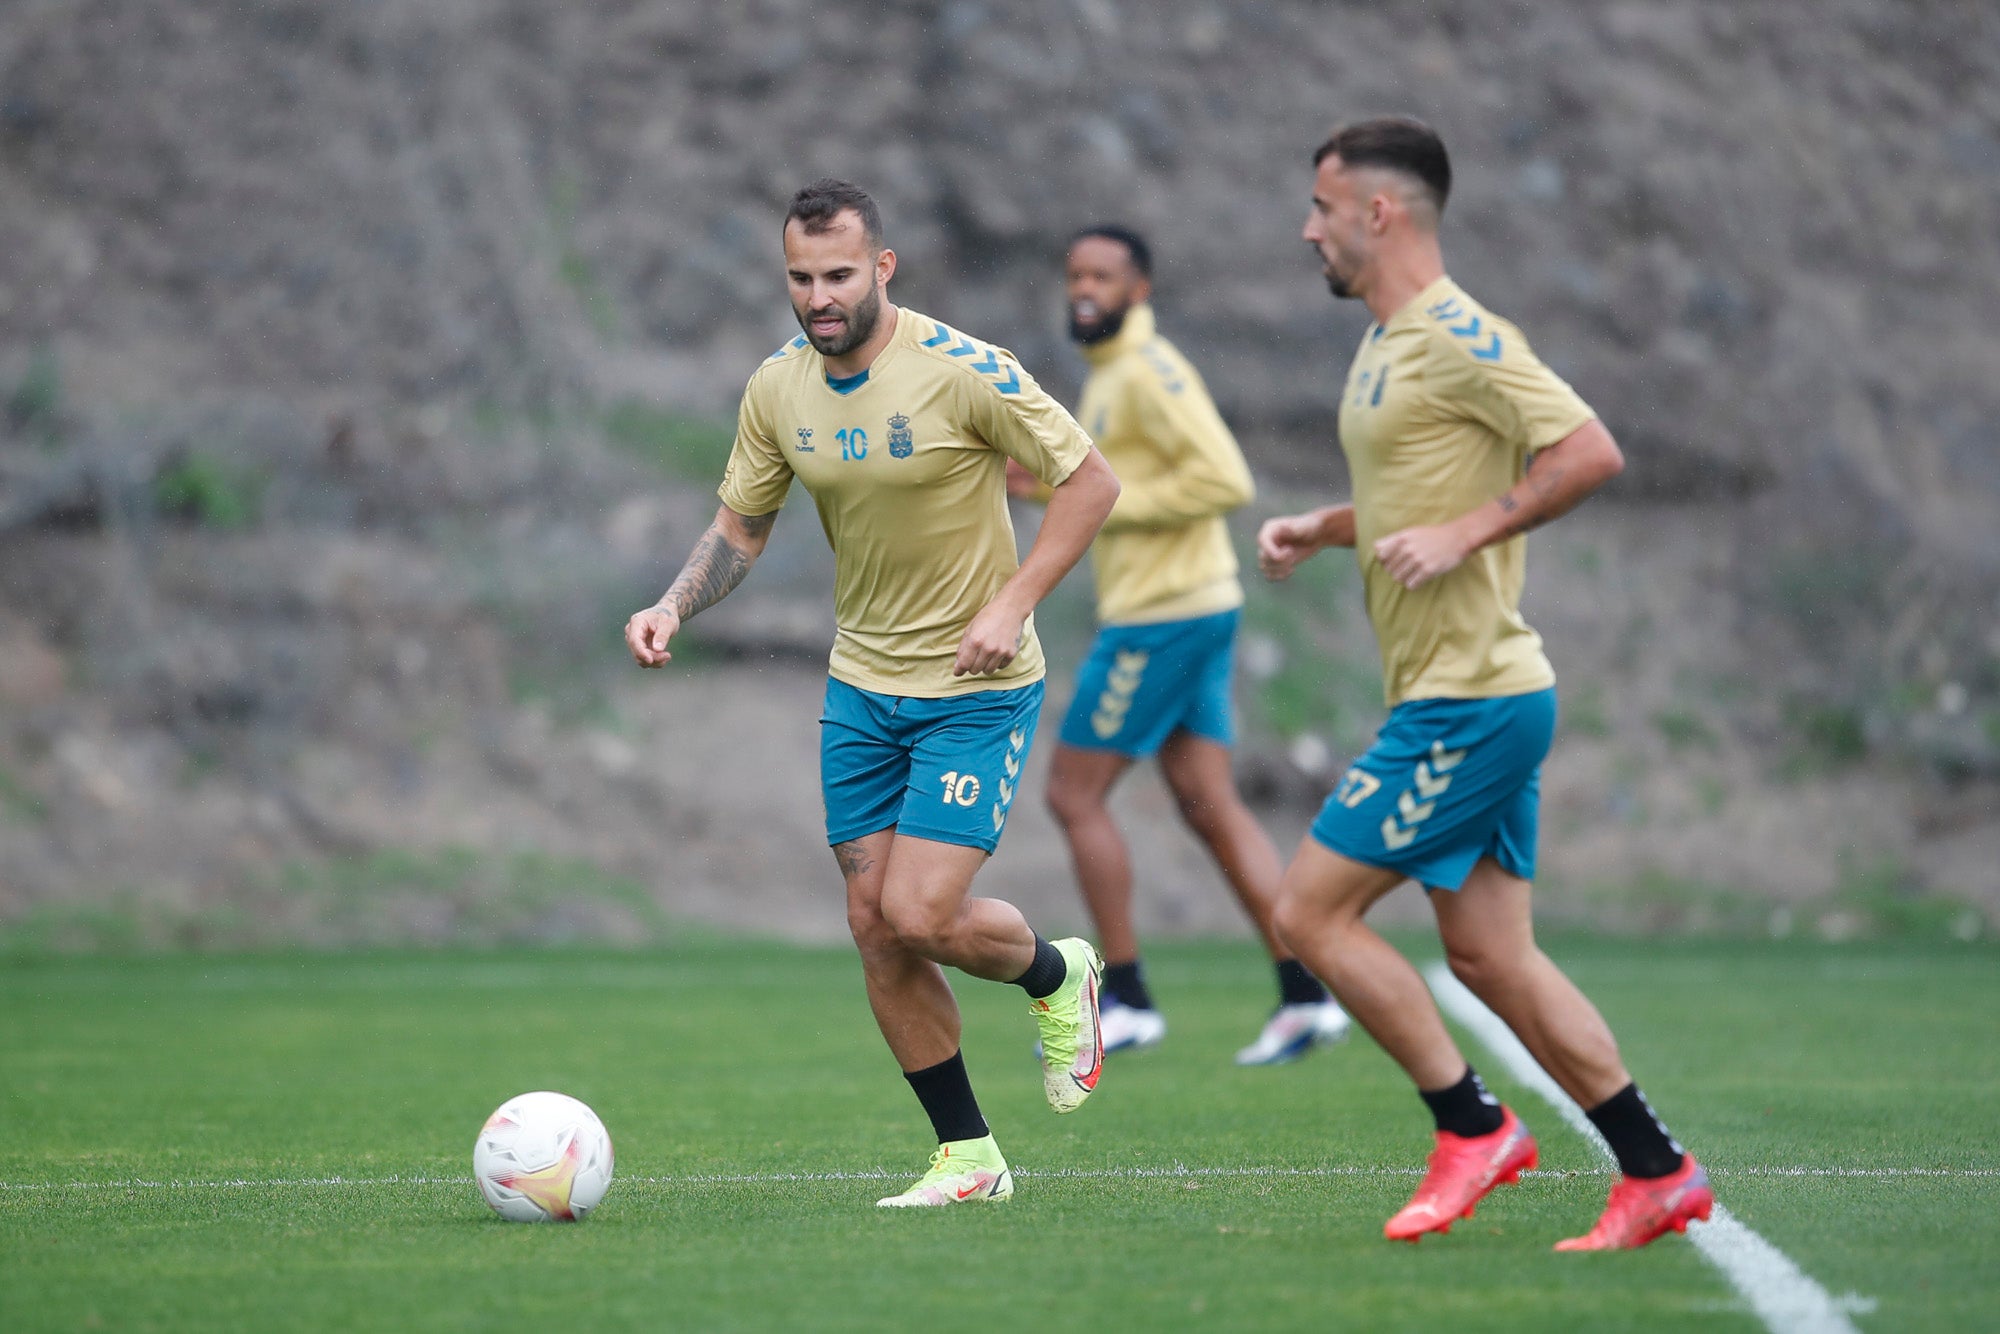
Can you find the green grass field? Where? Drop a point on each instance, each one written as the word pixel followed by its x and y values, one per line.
pixel 283 1142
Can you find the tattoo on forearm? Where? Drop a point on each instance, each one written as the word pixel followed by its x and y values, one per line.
pixel 853 858
pixel 1546 483
pixel 713 568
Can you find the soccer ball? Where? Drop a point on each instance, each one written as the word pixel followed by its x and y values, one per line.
pixel 542 1157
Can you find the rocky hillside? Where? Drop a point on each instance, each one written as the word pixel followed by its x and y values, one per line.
pixel 338 346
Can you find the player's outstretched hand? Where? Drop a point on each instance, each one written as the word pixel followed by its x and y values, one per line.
pixel 1283 542
pixel 1415 556
pixel 990 642
pixel 647 633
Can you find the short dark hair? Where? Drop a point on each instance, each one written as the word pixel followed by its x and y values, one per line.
pixel 1398 143
pixel 1135 244
pixel 816 207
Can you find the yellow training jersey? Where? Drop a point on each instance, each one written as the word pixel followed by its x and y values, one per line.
pixel 1443 405
pixel 1164 553
pixel 907 466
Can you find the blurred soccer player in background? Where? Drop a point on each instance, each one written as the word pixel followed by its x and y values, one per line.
pixel 1458 441
pixel 1157 680
pixel 899 428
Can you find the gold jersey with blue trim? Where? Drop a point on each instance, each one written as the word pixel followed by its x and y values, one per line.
pixel 1444 404
pixel 1164 553
pixel 907 467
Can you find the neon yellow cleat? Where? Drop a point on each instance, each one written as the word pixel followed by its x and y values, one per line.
pixel 966 1171
pixel 1072 1029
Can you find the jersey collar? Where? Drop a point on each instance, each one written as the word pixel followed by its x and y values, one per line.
pixel 1422 301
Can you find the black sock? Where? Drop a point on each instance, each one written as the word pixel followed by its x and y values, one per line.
pixel 1296 986
pixel 1466 1108
pixel 1124 983
pixel 946 1094
pixel 1643 1146
pixel 1046 973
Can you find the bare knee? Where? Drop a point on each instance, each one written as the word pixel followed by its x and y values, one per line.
pixel 873 935
pixel 1483 967
pixel 1071 803
pixel 918 925
pixel 1297 918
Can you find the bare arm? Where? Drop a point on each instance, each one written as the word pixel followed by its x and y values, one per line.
pixel 1289 540
pixel 1076 511
pixel 1557 481
pixel 719 561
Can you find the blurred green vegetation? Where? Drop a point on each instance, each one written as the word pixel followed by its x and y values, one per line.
pixel 34 407
pixel 1822 737
pixel 675 444
pixel 1584 712
pixel 600 308
pixel 18 801
pixel 1878 900
pixel 1683 729
pixel 211 491
pixel 452 897
pixel 1328 680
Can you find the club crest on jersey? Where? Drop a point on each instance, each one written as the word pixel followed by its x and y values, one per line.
pixel 901 441
pixel 805 439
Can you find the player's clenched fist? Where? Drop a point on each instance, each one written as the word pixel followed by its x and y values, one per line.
pixel 991 641
pixel 647 633
pixel 1415 556
pixel 1285 541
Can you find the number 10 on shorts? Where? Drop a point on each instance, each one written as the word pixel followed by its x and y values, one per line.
pixel 960 789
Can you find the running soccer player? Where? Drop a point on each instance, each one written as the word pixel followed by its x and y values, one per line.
pixel 1157 680
pixel 1459 441
pixel 899 429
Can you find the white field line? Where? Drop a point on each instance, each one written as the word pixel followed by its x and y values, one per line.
pixel 1176 1172
pixel 1784 1296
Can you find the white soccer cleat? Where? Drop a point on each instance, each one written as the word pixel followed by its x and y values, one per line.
pixel 970 1171
pixel 1295 1030
pixel 1128 1028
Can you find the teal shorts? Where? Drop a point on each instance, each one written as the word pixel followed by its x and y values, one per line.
pixel 1143 683
pixel 941 769
pixel 1448 781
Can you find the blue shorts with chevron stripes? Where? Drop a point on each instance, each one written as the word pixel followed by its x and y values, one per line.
pixel 1448 781
pixel 942 769
pixel 1143 683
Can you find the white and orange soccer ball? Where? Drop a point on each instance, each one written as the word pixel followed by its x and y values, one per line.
pixel 542 1157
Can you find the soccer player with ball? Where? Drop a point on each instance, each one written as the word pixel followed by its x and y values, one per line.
pixel 900 427
pixel 1459 440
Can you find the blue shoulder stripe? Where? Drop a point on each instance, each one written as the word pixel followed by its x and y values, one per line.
pixel 1468 331
pixel 792 346
pixel 1000 374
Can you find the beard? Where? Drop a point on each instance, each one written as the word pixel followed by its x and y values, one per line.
pixel 1098 330
pixel 1341 288
pixel 861 322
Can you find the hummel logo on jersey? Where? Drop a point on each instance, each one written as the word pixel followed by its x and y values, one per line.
pixel 805 439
